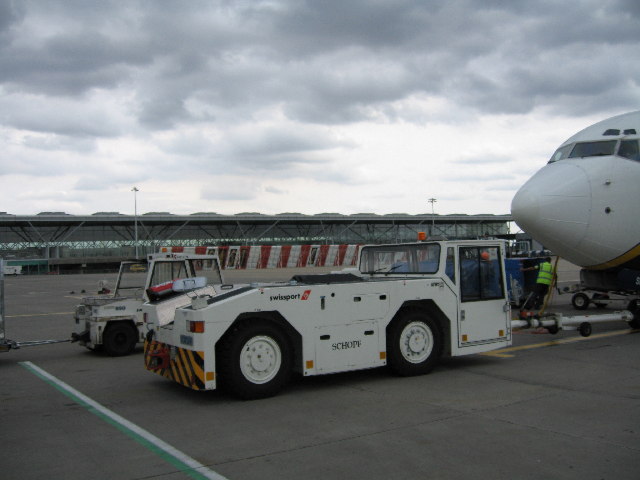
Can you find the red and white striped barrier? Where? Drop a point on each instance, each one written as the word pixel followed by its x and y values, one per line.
pixel 277 256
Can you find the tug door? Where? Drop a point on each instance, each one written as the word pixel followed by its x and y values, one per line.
pixel 483 317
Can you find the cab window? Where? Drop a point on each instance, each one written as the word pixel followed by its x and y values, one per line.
pixel 400 259
pixel 208 269
pixel 450 267
pixel 480 274
pixel 168 272
pixel 428 258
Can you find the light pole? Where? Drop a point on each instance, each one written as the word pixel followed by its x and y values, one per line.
pixel 433 217
pixel 135 217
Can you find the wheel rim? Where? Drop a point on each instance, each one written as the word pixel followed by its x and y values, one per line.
pixel 416 342
pixel 580 301
pixel 260 359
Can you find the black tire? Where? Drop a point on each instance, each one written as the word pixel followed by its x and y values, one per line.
pixel 585 329
pixel 119 339
pixel 414 343
pixel 255 360
pixel 580 301
pixel 634 307
pixel 553 329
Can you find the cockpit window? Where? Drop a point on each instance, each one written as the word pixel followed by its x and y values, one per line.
pixel 562 152
pixel 593 149
pixel 629 149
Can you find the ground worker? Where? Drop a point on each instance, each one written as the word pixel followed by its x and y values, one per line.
pixel 543 282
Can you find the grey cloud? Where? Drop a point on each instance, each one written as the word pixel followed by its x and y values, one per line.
pixel 65 66
pixel 60 142
pixel 104 177
pixel 487 159
pixel 340 24
pixel 255 148
pixel 190 144
pixel 632 7
pixel 55 51
pixel 60 116
pixel 275 191
pixel 476 176
pixel 40 164
pixel 279 141
pixel 241 189
pixel 11 11
pixel 331 62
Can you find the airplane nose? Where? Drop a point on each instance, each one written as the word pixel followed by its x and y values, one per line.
pixel 554 206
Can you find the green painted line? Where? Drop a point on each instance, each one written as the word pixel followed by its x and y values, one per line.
pixel 178 459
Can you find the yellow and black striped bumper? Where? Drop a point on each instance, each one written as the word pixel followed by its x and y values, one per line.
pixel 178 364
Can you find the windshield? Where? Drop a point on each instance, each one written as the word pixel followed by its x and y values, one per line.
pixel 627 149
pixel 423 258
pixel 207 268
pixel 562 152
pixel 132 275
pixel 168 272
pixel 593 149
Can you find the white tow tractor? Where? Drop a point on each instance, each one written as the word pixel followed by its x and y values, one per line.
pixel 114 321
pixel 406 306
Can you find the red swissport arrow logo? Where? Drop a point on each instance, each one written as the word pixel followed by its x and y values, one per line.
pixel 305 295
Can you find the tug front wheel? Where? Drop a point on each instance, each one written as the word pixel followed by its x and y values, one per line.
pixel 255 360
pixel 414 344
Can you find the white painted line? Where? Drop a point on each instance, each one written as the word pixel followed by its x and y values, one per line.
pixel 174 456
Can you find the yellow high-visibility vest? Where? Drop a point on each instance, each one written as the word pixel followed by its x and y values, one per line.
pixel 545 273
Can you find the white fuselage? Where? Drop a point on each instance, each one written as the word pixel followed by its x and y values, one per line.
pixel 582 204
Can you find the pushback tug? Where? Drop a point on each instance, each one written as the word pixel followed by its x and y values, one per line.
pixel 405 306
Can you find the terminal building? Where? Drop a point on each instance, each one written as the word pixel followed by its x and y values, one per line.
pixel 59 242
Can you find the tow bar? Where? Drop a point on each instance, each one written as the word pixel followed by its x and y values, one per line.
pixel 556 321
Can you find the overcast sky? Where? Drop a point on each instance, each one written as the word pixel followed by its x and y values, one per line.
pixel 300 106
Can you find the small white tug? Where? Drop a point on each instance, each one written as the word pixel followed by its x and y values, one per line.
pixel 113 321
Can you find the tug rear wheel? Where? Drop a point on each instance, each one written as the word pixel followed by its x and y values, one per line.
pixel 255 360
pixel 414 343
pixel 119 339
